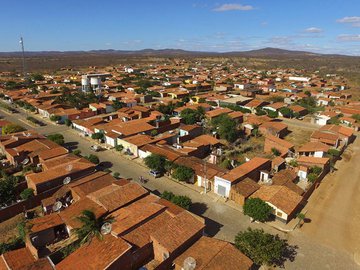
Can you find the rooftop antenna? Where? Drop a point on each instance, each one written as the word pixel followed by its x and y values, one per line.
pixel 23 56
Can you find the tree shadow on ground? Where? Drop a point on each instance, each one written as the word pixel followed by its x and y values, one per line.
pixel 71 145
pixel 212 227
pixel 104 165
pixel 198 208
pixel 289 254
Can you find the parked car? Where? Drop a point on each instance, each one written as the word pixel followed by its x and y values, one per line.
pixel 154 173
pixel 95 148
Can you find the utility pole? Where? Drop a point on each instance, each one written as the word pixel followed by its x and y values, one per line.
pixel 205 177
pixel 23 57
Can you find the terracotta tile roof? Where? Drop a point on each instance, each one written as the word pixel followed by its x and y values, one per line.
pixel 189 127
pixel 177 231
pixel 279 141
pixel 113 197
pixel 207 139
pixel 170 154
pixel 313 147
pixel 68 215
pixel 257 120
pixel 284 176
pixel 51 153
pixel 60 171
pixel 246 187
pixel 45 222
pixel 99 254
pixel 140 236
pixel 245 169
pixel 18 259
pixel 213 254
pixel 93 182
pixel 325 137
pixel 345 131
pixel 314 160
pixel 297 108
pixel 277 126
pixel 218 112
pixel 281 196
pixel 128 217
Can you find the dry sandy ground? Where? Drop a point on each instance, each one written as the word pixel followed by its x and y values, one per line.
pixel 334 208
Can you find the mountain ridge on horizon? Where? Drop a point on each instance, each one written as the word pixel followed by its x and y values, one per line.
pixel 264 52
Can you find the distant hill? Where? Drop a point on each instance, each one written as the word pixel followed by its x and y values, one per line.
pixel 265 52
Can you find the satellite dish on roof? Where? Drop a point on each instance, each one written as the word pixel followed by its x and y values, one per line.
pixel 69 167
pixel 25 161
pixel 189 263
pixel 57 206
pixel 66 180
pixel 105 228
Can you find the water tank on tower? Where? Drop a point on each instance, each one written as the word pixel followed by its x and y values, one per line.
pixel 85 83
pixel 95 83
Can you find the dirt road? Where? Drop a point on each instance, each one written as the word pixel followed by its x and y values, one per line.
pixel 334 208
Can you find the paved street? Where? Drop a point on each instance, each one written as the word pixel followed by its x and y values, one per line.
pixel 223 221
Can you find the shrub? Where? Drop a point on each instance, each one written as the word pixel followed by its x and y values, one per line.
pixel 56 138
pixel 97 136
pixel 93 158
pixel 116 174
pixel 275 152
pixel 77 152
pixel 312 177
pixel 119 148
pixel 12 128
pixel 55 118
pixel 334 152
pixel 68 122
pixel 27 193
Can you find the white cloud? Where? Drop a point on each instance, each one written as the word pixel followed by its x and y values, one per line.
pixel 229 7
pixel 348 37
pixel 313 30
pixel 353 21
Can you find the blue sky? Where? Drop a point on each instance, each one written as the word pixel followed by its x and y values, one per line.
pixel 326 26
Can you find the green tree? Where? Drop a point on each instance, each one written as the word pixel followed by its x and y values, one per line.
pixel 56 138
pixel 68 122
pixel 183 173
pixel 261 247
pixel 312 177
pixel 77 152
pixel 182 201
pixel 97 136
pixel 356 117
pixel 90 226
pixel 12 128
pixel 55 118
pixel 275 152
pixel 226 128
pixel 155 162
pixel 119 148
pixel 38 77
pixel 286 112
pixel 93 159
pixel 116 174
pixel 27 193
pixel 334 152
pixel 257 209
pixel 8 190
pixel 190 116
